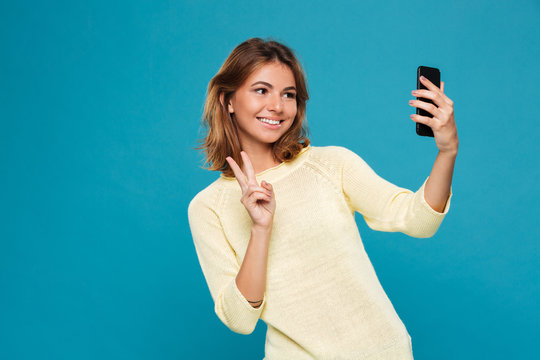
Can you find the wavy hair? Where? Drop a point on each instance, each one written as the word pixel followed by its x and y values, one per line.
pixel 221 139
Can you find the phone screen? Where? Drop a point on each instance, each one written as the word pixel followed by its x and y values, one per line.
pixel 433 75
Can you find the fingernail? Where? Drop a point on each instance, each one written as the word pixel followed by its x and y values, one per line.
pixel 422 77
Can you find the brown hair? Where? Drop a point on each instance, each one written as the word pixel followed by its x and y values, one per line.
pixel 222 138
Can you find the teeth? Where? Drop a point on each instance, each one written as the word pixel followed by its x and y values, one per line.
pixel 268 121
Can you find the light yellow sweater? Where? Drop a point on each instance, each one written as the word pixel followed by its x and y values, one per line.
pixel 323 299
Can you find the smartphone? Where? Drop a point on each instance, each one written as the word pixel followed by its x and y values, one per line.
pixel 433 75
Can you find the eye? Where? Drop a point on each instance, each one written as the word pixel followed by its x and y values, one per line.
pixel 260 90
pixel 291 95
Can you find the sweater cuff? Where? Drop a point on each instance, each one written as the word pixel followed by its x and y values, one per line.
pixel 432 219
pixel 246 303
pixel 428 207
pixel 237 312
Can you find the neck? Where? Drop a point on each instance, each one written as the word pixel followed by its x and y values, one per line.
pixel 260 156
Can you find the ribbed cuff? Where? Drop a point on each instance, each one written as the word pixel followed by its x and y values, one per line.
pixel 237 313
pixel 431 219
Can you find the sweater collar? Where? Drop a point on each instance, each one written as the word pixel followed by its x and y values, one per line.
pixel 276 172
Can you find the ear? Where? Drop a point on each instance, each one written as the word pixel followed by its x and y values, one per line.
pixel 222 101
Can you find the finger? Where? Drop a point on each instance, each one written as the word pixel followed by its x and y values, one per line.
pixel 240 177
pixel 252 188
pixel 426 120
pixel 428 94
pixel 431 86
pixel 446 98
pixel 264 195
pixel 435 89
pixel 430 108
pixel 266 185
pixel 249 168
pixel 256 196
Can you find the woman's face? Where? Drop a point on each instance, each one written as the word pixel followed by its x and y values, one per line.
pixel 269 93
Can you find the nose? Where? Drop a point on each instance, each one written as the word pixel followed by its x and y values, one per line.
pixel 275 103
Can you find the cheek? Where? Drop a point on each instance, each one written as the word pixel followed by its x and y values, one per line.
pixel 293 109
pixel 254 105
pixel 245 104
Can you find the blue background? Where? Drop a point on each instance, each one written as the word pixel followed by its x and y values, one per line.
pixel 100 109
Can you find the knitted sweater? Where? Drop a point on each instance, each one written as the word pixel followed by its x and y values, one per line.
pixel 323 299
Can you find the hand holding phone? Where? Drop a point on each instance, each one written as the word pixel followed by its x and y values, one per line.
pixel 433 75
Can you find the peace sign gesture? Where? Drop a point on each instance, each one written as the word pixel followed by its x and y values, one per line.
pixel 259 201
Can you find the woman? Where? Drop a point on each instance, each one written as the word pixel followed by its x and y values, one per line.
pixel 275 234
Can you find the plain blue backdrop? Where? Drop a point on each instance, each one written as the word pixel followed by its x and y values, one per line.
pixel 100 110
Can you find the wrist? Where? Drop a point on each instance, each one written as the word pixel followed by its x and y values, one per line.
pixel 261 229
pixel 449 153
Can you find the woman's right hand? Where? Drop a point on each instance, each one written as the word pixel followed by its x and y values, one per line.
pixel 259 201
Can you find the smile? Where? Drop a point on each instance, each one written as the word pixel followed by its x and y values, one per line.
pixel 271 124
pixel 269 121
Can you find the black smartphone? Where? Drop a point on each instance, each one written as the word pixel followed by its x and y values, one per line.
pixel 433 75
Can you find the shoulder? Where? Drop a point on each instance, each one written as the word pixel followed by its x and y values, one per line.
pixel 331 160
pixel 207 199
pixel 332 154
pixel 330 149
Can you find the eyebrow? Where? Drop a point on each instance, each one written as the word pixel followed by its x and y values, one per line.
pixel 271 87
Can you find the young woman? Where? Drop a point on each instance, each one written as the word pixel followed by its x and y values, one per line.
pixel 275 234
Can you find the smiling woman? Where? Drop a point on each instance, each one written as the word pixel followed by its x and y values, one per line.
pixel 259 80
pixel 286 249
pixel 264 108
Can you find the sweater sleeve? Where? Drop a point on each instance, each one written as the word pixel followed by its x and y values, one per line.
pixel 220 267
pixel 385 206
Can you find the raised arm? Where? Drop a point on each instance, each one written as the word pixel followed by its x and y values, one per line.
pixel 439 181
pixel 385 206
pixel 444 129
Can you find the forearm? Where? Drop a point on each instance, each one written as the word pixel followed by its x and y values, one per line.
pixel 251 278
pixel 437 187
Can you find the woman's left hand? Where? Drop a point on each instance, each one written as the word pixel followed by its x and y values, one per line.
pixel 442 123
